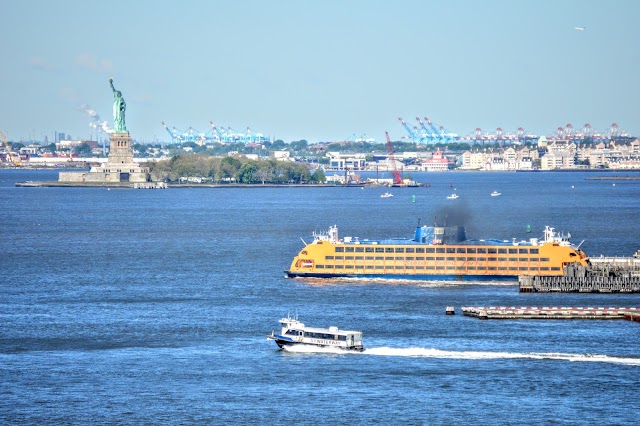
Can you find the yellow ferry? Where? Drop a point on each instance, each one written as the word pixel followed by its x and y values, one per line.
pixel 435 253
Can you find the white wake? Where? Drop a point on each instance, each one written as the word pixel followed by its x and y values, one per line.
pixel 416 352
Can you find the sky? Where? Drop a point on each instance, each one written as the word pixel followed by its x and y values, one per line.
pixel 318 70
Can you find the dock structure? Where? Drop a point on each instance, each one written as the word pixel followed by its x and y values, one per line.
pixel 546 312
pixel 606 275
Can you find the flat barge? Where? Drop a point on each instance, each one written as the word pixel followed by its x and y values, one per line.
pixel 546 312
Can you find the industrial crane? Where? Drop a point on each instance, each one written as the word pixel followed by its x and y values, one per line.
pixel 413 135
pixel 397 180
pixel 15 160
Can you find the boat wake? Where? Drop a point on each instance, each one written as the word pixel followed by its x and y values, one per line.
pixel 417 352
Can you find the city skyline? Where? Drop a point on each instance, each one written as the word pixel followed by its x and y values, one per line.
pixel 319 71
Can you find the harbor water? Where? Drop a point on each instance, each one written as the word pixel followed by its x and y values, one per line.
pixel 153 306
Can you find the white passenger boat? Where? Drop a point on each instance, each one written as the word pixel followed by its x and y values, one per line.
pixel 295 333
pixel 386 195
pixel 453 196
pixel 496 194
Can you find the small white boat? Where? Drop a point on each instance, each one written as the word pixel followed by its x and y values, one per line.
pixel 496 194
pixel 453 196
pixel 296 333
pixel 386 195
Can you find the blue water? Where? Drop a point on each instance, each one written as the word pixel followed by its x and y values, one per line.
pixel 152 306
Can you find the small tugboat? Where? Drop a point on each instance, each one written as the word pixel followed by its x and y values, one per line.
pixel 295 333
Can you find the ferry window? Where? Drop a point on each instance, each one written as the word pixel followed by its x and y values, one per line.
pixel 492 259
pixel 350 249
pixel 388 258
pixel 451 249
pixel 410 258
pixel 450 259
pixel 369 266
pixel 420 250
pixel 400 250
pixel 368 257
pixel 491 268
pixel 513 268
pixel 471 250
pixel 359 257
pixel 482 259
pixel 502 268
pixel 439 268
pixel 523 259
pixel 420 267
pixel 461 250
pixel 388 250
pixel 320 266
pixel 534 259
pixel 544 259
pixel 482 250
pixel 513 259
pixel 379 267
pixel 482 268
pixel 399 267
pixel 349 266
pixel 544 268
pixel 328 258
pixel 534 251
pixel 555 268
pixel 420 259
pixel 379 257
pixel 523 251
pixel 348 257
pixel 430 267
pixel 339 249
pixel 369 249
pixel 429 258
pixel 523 268
pixel 471 259
pixel 572 255
pixel 491 251
pixel 359 249
pixel 460 259
pixel 440 258
pixel 502 259
pixel 440 250
pixel 450 267
pixel 502 251
pixel 513 251
pixel 339 257
pixel 430 250
pixel 410 250
pixel 400 258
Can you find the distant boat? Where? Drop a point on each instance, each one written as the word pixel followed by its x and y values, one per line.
pixel 386 195
pixel 496 194
pixel 453 196
pixel 528 228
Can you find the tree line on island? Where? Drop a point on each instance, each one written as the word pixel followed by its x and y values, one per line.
pixel 233 170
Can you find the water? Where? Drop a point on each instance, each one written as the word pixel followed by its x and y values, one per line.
pixel 153 306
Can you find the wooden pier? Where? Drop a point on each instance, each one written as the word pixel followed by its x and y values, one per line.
pixel 546 312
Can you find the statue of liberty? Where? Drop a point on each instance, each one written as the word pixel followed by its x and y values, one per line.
pixel 119 108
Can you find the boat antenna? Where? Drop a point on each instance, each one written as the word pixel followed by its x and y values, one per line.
pixel 580 244
pixel 304 242
pixel 418 222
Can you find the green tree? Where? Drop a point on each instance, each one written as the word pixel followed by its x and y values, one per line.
pixel 247 172
pixel 318 176
pixel 83 150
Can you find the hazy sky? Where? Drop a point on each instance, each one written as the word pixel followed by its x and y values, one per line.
pixel 319 70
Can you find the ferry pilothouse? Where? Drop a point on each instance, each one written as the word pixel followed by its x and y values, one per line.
pixel 295 333
pixel 436 253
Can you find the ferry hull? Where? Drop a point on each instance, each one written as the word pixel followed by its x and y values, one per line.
pixel 283 341
pixel 412 277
